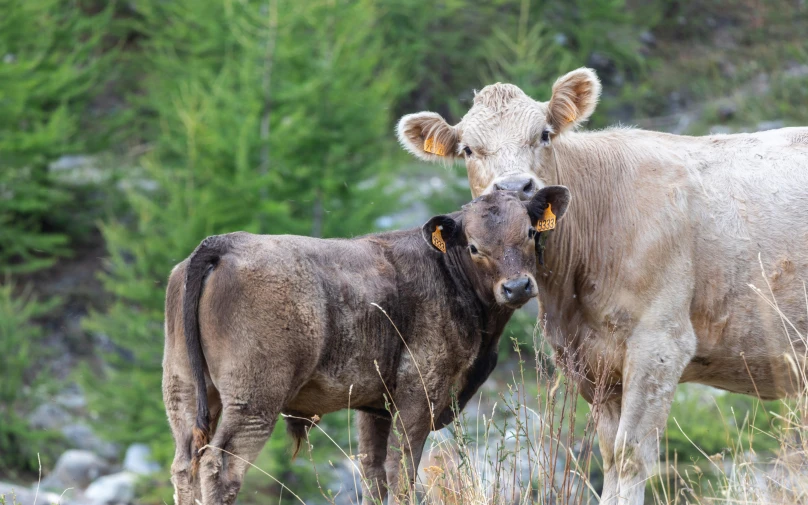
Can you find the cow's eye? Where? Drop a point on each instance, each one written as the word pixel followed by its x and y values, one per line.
pixel 531 233
pixel 545 136
pixel 467 150
pixel 472 249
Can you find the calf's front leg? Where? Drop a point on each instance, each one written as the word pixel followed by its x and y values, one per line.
pixel 655 357
pixel 408 435
pixel 373 433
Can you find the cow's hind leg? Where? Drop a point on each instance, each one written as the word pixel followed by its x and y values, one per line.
pixel 373 434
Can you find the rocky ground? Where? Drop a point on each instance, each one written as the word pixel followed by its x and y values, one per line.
pixel 84 477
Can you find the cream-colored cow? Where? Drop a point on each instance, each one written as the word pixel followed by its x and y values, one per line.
pixel 650 272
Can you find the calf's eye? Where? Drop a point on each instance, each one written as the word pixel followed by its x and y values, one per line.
pixel 472 249
pixel 545 136
pixel 467 150
pixel 531 233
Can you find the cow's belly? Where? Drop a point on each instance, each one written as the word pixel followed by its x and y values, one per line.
pixel 744 343
pixel 769 377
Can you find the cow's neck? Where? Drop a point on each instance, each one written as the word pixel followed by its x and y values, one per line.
pixel 575 279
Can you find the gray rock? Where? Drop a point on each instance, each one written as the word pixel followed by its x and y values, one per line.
pixel 78 170
pixel 76 469
pixel 769 125
pixel 80 436
pixel 139 460
pixel 720 130
pixel 112 490
pixel 72 397
pixel 48 416
pixel 25 496
pixel 726 110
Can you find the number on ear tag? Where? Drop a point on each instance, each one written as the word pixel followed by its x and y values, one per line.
pixel 548 221
pixel 437 239
pixel 433 147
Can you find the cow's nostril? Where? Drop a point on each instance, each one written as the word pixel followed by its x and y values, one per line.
pixel 507 291
pixel 528 187
pixel 527 285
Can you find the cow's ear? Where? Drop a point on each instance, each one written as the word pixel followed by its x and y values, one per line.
pixel 555 197
pixel 575 96
pixel 428 136
pixel 441 232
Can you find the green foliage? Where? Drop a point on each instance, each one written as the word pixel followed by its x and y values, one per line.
pixel 277 123
pixel 52 68
pixel 20 347
pixel 715 423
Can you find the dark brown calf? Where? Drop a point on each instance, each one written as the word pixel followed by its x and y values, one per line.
pixel 257 325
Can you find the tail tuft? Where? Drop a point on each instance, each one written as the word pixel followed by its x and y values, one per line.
pixel 201 440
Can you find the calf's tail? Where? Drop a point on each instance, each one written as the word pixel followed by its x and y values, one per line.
pixel 201 262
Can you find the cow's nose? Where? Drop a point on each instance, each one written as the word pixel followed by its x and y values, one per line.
pixel 518 290
pixel 523 185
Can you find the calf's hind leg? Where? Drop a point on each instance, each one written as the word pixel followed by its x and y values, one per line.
pixel 248 416
pixel 242 432
pixel 179 397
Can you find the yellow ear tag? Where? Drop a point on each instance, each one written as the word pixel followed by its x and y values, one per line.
pixel 437 239
pixel 548 221
pixel 433 147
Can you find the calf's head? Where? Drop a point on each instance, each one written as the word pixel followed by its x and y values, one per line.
pixel 505 137
pixel 493 240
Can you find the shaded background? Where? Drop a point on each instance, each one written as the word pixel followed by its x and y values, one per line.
pixel 131 130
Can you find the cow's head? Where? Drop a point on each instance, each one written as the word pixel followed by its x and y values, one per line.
pixel 493 241
pixel 505 137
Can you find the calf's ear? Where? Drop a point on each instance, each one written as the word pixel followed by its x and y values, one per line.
pixel 441 232
pixel 575 96
pixel 556 197
pixel 428 136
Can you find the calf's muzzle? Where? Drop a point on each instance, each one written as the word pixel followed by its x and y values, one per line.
pixel 518 290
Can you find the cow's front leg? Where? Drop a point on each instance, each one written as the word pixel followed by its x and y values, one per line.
pixel 412 424
pixel 608 422
pixel 373 434
pixel 654 361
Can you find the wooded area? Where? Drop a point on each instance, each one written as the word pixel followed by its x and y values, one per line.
pixel 131 130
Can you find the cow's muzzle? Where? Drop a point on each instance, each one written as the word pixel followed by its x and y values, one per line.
pixel 523 185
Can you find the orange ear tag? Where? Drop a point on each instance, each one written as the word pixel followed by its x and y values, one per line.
pixel 433 147
pixel 548 221
pixel 437 239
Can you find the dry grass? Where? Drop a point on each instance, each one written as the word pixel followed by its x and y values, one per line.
pixel 532 443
